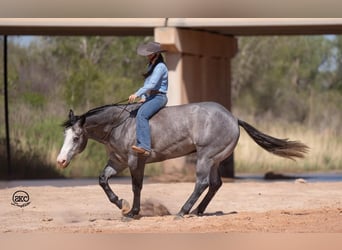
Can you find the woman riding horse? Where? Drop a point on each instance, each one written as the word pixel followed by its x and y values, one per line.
pixel 152 94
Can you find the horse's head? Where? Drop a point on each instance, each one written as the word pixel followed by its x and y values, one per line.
pixel 75 139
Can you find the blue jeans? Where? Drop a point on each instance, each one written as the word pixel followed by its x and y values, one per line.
pixel 151 106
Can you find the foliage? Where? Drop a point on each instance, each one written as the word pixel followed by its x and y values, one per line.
pixel 92 67
pixel 285 76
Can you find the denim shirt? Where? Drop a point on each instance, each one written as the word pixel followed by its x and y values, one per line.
pixel 158 80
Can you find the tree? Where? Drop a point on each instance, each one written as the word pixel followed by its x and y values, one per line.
pixel 276 74
pixel 97 70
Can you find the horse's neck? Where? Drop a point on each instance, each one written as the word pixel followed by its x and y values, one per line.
pixel 100 125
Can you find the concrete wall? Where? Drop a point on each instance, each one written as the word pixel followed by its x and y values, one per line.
pixel 199 70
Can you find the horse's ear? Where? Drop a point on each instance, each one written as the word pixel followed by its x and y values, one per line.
pixel 72 117
pixel 71 114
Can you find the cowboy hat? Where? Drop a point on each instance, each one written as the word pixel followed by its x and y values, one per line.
pixel 149 48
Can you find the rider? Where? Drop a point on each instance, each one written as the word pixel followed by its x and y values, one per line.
pixel 152 94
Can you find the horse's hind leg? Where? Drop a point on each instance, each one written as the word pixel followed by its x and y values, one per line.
pixel 202 182
pixel 215 183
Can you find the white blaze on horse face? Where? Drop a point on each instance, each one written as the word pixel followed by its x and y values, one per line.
pixel 68 149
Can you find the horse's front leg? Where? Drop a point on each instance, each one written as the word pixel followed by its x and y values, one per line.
pixel 106 174
pixel 137 173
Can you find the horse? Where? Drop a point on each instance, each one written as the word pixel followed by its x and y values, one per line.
pixel 205 128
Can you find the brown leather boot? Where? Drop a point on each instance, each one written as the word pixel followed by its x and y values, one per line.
pixel 141 150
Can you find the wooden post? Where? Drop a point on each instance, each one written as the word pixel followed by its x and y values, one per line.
pixel 8 145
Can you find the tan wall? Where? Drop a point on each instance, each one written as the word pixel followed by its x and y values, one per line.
pixel 199 65
pixel 199 70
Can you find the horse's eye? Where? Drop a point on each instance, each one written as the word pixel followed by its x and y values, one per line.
pixel 76 139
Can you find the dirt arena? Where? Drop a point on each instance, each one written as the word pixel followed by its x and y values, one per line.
pixel 240 206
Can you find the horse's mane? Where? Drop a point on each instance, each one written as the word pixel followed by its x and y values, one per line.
pixel 68 123
pixel 96 110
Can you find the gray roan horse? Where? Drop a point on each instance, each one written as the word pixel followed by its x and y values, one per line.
pixel 207 129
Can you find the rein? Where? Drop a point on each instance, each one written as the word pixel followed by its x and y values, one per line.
pixel 124 108
pixel 119 102
pixel 119 123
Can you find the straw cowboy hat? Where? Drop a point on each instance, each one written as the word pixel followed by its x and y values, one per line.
pixel 149 49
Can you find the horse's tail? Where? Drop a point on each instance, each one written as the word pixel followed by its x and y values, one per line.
pixel 280 147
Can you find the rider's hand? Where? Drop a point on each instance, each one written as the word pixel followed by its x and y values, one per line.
pixel 132 98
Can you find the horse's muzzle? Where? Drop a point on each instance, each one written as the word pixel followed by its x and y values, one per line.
pixel 62 163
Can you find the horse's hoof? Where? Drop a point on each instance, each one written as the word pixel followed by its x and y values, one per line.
pixel 126 218
pixel 131 216
pixel 179 216
pixel 194 213
pixel 125 207
pixel 191 215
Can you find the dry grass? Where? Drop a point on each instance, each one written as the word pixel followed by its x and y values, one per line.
pixel 324 154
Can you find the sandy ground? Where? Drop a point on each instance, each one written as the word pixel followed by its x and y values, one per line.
pixel 240 206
